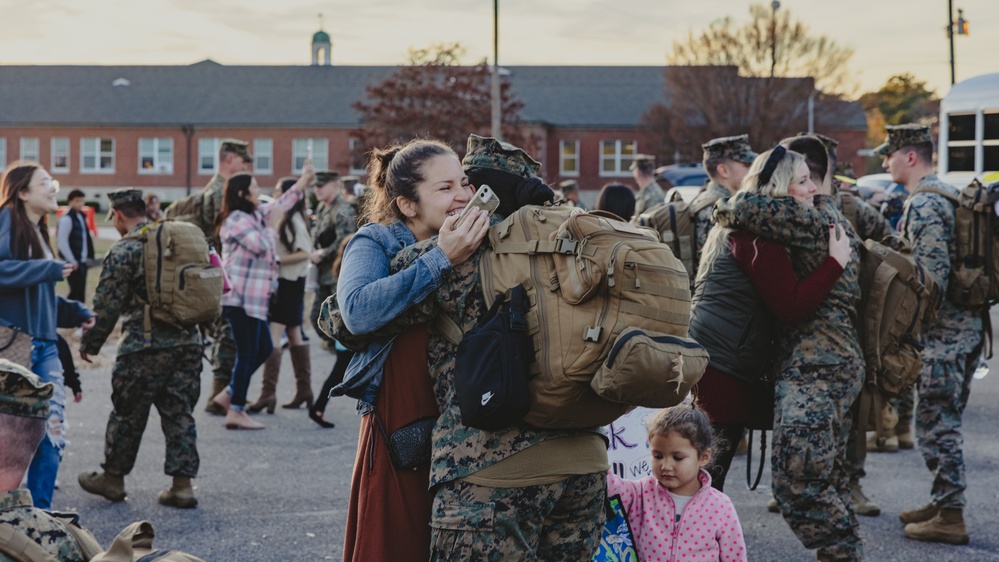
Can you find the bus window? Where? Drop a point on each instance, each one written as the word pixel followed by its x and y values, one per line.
pixel 962 127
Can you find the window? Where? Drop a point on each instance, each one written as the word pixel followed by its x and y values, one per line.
pixel 97 155
pixel 3 152
pixel 60 155
pixel 320 154
pixel 29 148
pixel 990 142
pixel 568 160
pixel 208 156
pixel 961 142
pixel 156 156
pixel 263 156
pixel 357 158
pixel 616 157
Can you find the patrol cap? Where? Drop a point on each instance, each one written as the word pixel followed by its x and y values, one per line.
pixel 324 177
pixel 568 185
pixel 122 196
pixel 238 147
pixel 643 161
pixel 22 393
pixel 829 142
pixel 487 152
pixel 730 148
pixel 900 136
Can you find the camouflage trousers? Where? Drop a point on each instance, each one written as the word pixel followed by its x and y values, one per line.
pixel 322 293
pixel 169 379
pixel 555 522
pixel 944 388
pixel 223 348
pixel 810 478
pixel 905 406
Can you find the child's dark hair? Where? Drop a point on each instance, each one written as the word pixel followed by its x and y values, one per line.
pixel 689 422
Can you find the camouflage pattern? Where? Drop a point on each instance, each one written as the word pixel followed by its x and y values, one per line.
pixel 810 482
pixel 487 152
pixel 648 197
pixel 730 148
pixel 900 136
pixel 17 511
pixel 121 288
pixel 866 221
pixel 238 147
pixel 211 206
pixel 334 222
pixel 22 393
pixel 829 142
pixel 223 353
pixel 324 177
pixel 560 521
pixel 953 345
pixel 702 218
pixel 644 161
pixel 124 195
pixel 169 379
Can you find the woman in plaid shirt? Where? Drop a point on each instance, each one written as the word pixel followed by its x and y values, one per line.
pixel 248 240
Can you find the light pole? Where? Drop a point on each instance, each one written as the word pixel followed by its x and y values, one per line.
pixel 962 29
pixel 811 110
pixel 773 37
pixel 497 116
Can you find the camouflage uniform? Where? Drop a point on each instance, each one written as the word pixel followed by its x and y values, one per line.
pixel 821 375
pixel 703 205
pixel 648 197
pixel 334 222
pixel 953 345
pixel 223 354
pixel 164 372
pixel 17 511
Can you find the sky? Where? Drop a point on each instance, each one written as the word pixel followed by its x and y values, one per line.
pixel 888 36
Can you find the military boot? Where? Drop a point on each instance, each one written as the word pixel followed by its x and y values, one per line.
pixel 862 505
pixel 268 392
pixel 882 444
pixel 946 526
pixel 920 514
pixel 903 432
pixel 181 494
pixel 110 486
pixel 772 506
pixel 302 364
pixel 218 385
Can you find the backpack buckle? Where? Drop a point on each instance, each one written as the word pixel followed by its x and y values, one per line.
pixel 592 333
pixel 566 246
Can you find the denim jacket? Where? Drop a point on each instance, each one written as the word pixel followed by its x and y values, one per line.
pixel 369 298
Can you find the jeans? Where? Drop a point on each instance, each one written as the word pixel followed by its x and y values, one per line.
pixel 253 347
pixel 45 465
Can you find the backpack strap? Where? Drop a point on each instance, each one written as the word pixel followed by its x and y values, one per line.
pixel 933 189
pixel 21 548
pixel 703 201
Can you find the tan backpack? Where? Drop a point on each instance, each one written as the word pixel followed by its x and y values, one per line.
pixel 608 315
pixel 674 221
pixel 183 287
pixel 188 209
pixel 135 543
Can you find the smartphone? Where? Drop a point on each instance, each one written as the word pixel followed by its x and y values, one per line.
pixel 308 149
pixel 484 198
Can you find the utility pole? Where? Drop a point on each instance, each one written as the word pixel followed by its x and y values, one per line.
pixel 950 37
pixel 773 38
pixel 497 117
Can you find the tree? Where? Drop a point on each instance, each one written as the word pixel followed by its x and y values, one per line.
pixel 753 78
pixel 903 99
pixel 433 95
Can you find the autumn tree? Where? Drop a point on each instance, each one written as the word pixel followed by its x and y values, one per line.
pixel 903 99
pixel 434 95
pixel 755 78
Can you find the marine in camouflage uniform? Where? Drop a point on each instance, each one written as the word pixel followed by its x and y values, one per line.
pixel 821 372
pixel 24 395
pixel 162 372
pixel 334 221
pixel 717 151
pixel 649 193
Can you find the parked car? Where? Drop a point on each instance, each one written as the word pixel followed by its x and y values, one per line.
pixel 678 175
pixel 875 188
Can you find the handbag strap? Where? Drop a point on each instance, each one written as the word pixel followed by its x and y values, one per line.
pixel 749 459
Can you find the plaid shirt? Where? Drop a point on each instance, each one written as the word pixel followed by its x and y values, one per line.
pixel 248 250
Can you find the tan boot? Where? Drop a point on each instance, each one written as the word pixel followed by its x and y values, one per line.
pixel 218 385
pixel 110 486
pixel 877 444
pixel 920 514
pixel 240 420
pixel 181 494
pixel 903 431
pixel 268 392
pixel 862 505
pixel 946 526
pixel 302 364
pixel 772 506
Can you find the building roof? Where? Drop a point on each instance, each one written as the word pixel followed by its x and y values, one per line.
pixel 321 37
pixel 210 94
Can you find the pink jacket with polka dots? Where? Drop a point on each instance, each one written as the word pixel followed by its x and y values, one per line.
pixel 708 530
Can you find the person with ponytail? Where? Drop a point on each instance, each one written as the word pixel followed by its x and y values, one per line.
pixel 28 301
pixel 246 229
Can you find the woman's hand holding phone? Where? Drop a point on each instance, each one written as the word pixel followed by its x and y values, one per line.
pixel 459 243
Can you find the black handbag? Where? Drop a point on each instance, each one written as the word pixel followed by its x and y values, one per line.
pixel 410 446
pixel 491 366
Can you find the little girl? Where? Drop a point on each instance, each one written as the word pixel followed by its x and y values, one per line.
pixel 675 514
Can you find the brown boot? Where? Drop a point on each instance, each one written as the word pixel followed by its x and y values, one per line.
pixel 946 526
pixel 302 364
pixel 919 514
pixel 268 392
pixel 181 494
pixel 110 486
pixel 218 385
pixel 862 505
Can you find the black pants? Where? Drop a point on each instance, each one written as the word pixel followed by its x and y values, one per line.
pixel 728 436
pixel 78 284
pixel 335 378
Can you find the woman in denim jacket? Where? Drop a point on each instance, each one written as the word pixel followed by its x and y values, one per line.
pixel 418 189
pixel 28 275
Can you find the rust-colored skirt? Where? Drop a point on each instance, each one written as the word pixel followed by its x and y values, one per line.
pixel 389 514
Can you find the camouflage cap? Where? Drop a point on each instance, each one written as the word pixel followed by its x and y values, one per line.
pixel 238 147
pixel 122 196
pixel 324 177
pixel 487 152
pixel 22 393
pixel 730 148
pixel 900 136
pixel 568 185
pixel 646 161
pixel 829 142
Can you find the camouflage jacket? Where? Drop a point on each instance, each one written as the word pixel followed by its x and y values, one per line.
pixel 828 336
pixel 866 220
pixel 928 224
pixel 334 222
pixel 211 206
pixel 120 292
pixel 648 197
pixel 702 218
pixel 17 511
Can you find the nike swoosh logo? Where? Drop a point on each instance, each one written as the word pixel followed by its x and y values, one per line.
pixel 486 398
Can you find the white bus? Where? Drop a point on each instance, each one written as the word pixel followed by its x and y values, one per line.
pixel 969 130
